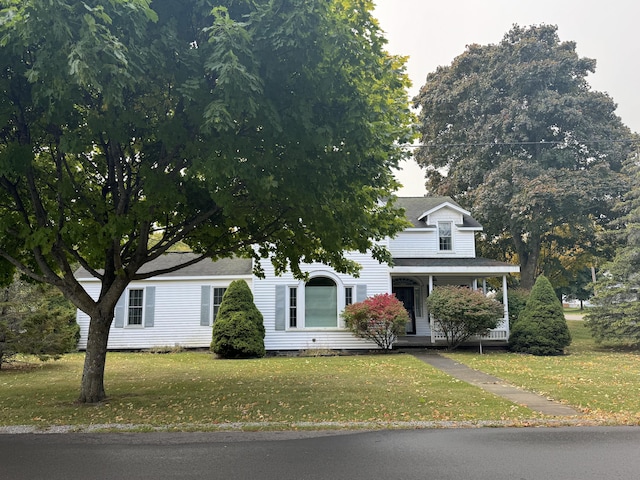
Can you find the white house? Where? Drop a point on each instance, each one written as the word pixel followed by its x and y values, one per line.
pixel 178 308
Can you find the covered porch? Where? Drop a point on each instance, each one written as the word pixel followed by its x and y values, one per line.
pixel 412 279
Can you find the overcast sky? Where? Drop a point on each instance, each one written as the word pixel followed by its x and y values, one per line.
pixel 433 33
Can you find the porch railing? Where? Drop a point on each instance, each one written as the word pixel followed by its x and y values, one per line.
pixel 498 334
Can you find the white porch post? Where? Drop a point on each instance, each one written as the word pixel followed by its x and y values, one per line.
pixel 484 285
pixel 505 302
pixel 429 313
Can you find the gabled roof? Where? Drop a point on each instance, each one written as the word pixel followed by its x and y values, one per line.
pixel 224 267
pixel 417 209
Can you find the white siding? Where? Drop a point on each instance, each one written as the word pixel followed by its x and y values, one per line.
pixel 93 289
pixel 177 317
pixel 414 244
pixel 424 244
pixel 374 275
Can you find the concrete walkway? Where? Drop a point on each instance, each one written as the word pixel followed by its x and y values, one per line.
pixel 497 386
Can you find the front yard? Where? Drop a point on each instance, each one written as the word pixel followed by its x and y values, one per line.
pixel 192 390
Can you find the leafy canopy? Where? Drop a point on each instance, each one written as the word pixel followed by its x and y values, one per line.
pixel 222 124
pixel 515 131
pixel 263 122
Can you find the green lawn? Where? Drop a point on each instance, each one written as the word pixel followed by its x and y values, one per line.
pixel 574 310
pixel 601 381
pixel 194 389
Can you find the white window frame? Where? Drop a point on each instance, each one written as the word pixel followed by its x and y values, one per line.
pixel 140 307
pixel 352 291
pixel 450 224
pixel 300 289
pixel 216 306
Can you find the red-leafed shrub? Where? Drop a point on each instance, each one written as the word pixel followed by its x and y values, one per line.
pixel 380 318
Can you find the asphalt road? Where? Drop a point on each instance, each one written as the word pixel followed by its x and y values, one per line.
pixel 588 453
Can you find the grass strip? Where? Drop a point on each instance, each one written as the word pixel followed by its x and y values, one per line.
pixel 601 381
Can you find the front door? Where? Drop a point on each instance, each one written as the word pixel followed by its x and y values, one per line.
pixel 405 295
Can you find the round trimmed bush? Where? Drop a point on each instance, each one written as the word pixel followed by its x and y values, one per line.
pixel 460 313
pixel 238 331
pixel 541 328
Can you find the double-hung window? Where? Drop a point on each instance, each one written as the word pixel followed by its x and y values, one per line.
pixel 348 296
pixel 445 239
pixel 135 308
pixel 293 307
pixel 218 293
pixel 136 299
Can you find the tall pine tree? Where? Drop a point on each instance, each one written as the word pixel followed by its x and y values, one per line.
pixel 616 311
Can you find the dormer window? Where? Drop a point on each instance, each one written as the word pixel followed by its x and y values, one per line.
pixel 444 236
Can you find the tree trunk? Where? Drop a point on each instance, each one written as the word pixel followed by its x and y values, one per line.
pixel 92 386
pixel 528 269
pixel 529 254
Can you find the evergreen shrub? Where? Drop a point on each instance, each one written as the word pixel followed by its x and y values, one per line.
pixel 238 330
pixel 517 298
pixel 36 320
pixel 541 328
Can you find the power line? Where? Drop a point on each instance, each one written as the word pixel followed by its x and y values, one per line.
pixel 497 144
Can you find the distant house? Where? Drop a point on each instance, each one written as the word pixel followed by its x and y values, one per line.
pixel 179 308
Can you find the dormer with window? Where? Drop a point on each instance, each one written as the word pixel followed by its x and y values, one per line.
pixel 440 229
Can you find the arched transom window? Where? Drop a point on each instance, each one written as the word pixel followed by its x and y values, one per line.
pixel 321 303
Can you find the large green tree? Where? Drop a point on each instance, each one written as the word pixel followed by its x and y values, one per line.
pixel 616 311
pixel 514 131
pixel 222 124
